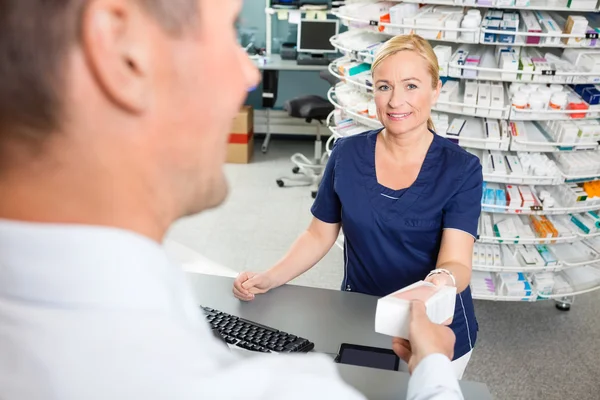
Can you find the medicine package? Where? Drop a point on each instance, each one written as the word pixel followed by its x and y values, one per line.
pixel 393 311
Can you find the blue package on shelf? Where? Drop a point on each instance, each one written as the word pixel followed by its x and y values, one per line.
pixel 580 88
pixel 591 96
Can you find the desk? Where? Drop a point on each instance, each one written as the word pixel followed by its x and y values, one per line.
pixel 275 63
pixel 326 317
pixel 270 79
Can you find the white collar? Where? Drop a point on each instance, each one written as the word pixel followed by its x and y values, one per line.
pixel 79 265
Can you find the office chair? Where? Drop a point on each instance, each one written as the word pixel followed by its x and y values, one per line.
pixel 309 172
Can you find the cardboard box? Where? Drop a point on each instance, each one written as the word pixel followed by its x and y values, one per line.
pixel 241 140
pixel 244 121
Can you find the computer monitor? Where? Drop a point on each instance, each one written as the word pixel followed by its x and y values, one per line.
pixel 314 35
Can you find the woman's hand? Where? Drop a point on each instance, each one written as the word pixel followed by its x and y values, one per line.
pixel 249 284
pixel 442 279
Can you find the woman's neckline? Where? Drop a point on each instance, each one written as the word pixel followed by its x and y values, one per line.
pixel 386 191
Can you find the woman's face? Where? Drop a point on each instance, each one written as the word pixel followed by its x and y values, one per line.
pixel 403 92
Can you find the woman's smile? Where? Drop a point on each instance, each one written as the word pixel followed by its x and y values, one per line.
pixel 396 117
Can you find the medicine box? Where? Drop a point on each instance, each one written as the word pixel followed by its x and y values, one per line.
pixel 531 26
pixel 526 65
pixel 392 316
pixel 508 63
pixel 550 27
pixel 470 97
pixel 471 61
pixel 575 25
pixel 508 26
pixel 497 99
pixel 354 68
pixel 452 22
pixel 490 37
pixel 484 99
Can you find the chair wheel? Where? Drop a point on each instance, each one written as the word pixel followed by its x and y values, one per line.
pixel 295 170
pixel 313 194
pixel 280 183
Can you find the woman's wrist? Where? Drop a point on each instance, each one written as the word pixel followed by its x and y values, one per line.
pixel 441 275
pixel 274 277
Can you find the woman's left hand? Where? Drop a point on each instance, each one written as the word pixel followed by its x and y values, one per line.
pixel 440 280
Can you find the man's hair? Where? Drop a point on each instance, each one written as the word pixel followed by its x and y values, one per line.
pixel 35 37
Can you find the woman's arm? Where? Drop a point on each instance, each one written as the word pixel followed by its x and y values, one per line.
pixel 312 245
pixel 456 256
pixel 460 221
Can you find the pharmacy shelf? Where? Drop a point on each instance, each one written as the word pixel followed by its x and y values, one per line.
pixel 372 123
pixel 520 39
pixel 577 254
pixel 542 5
pixel 495 297
pixel 448 107
pixel 390 29
pixel 533 297
pixel 534 138
pixel 520 133
pixel 488 70
pixel 351 80
pixel 492 208
pixel 516 179
pixel 345 127
pixel 557 296
pixel 473 137
pixel 551 115
pixel 519 268
pixel 580 178
pixel 507 240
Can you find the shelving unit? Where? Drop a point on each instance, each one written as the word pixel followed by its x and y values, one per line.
pixel 545 5
pixel 576 254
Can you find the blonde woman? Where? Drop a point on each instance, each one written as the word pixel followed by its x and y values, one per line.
pixel 408 200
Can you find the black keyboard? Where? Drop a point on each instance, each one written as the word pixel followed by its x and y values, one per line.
pixel 252 336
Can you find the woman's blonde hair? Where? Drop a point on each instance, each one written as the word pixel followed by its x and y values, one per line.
pixel 418 45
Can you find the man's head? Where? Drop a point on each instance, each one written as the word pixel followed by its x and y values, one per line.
pixel 138 95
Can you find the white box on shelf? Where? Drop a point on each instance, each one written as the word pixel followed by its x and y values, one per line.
pixel 393 311
pixel 484 98
pixel 526 65
pixel 497 99
pixel 492 129
pixel 470 97
pixel 509 62
pixel 452 22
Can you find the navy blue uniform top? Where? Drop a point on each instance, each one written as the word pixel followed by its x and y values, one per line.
pixel 393 237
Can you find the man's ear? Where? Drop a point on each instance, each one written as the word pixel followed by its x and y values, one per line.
pixel 116 43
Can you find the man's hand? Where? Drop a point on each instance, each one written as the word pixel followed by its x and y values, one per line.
pixel 425 338
pixel 249 284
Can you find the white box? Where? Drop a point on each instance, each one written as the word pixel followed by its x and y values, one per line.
pixel 492 129
pixel 484 99
pixel 497 257
pixel 392 316
pixel 497 99
pixel 510 62
pixel 452 22
pixel 549 26
pixel 470 97
pixel 526 65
